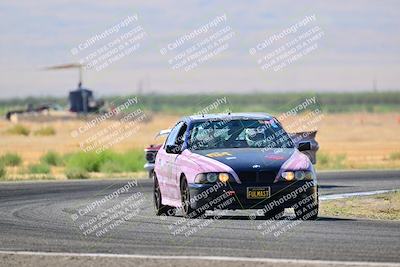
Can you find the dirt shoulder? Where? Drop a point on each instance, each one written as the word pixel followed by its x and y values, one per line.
pixel 382 207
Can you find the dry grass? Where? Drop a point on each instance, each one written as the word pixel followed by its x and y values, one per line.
pixel 367 140
pixel 32 148
pixel 383 207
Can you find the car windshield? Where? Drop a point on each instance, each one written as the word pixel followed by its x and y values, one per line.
pixel 266 133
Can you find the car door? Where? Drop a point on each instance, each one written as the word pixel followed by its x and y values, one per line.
pixel 166 161
pixel 175 168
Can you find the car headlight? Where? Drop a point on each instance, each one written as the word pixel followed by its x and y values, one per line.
pixel 297 175
pixel 309 175
pixel 211 177
pixel 288 176
pixel 223 177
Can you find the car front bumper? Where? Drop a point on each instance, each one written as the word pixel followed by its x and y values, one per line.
pixel 234 196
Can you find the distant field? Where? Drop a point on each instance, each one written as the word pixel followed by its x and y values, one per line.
pixel 266 102
pixel 278 102
pixel 347 141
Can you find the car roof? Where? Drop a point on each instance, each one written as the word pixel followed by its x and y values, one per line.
pixel 230 116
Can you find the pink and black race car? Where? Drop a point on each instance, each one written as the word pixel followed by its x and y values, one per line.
pixel 234 161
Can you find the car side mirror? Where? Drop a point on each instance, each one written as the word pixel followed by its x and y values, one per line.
pixel 173 149
pixel 303 146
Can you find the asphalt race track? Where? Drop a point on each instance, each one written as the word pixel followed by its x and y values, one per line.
pixel 39 217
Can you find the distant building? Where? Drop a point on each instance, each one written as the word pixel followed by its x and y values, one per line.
pixel 82 101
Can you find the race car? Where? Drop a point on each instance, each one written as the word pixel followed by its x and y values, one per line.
pixel 233 161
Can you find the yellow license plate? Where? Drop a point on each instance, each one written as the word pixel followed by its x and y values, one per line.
pixel 258 192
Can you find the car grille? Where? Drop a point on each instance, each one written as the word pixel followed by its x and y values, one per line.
pixel 262 177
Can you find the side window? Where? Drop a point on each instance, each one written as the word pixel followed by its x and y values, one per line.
pixel 181 136
pixel 173 134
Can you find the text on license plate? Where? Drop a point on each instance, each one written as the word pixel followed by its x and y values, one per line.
pixel 258 192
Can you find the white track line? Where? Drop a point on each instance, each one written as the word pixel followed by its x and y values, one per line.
pixel 205 258
pixel 355 194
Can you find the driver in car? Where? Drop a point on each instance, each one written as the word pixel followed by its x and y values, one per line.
pixel 255 137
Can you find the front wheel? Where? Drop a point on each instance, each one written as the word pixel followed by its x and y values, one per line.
pixel 308 211
pixel 187 210
pixel 160 209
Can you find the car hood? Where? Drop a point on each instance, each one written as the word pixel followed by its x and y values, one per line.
pixel 259 159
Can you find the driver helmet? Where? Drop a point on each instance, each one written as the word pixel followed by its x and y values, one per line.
pixel 254 137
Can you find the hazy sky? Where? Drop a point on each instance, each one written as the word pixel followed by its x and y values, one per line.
pixel 360 43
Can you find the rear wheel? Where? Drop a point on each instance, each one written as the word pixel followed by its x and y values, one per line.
pixel 160 209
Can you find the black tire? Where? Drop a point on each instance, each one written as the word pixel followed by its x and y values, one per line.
pixel 160 209
pixel 187 210
pixel 307 212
